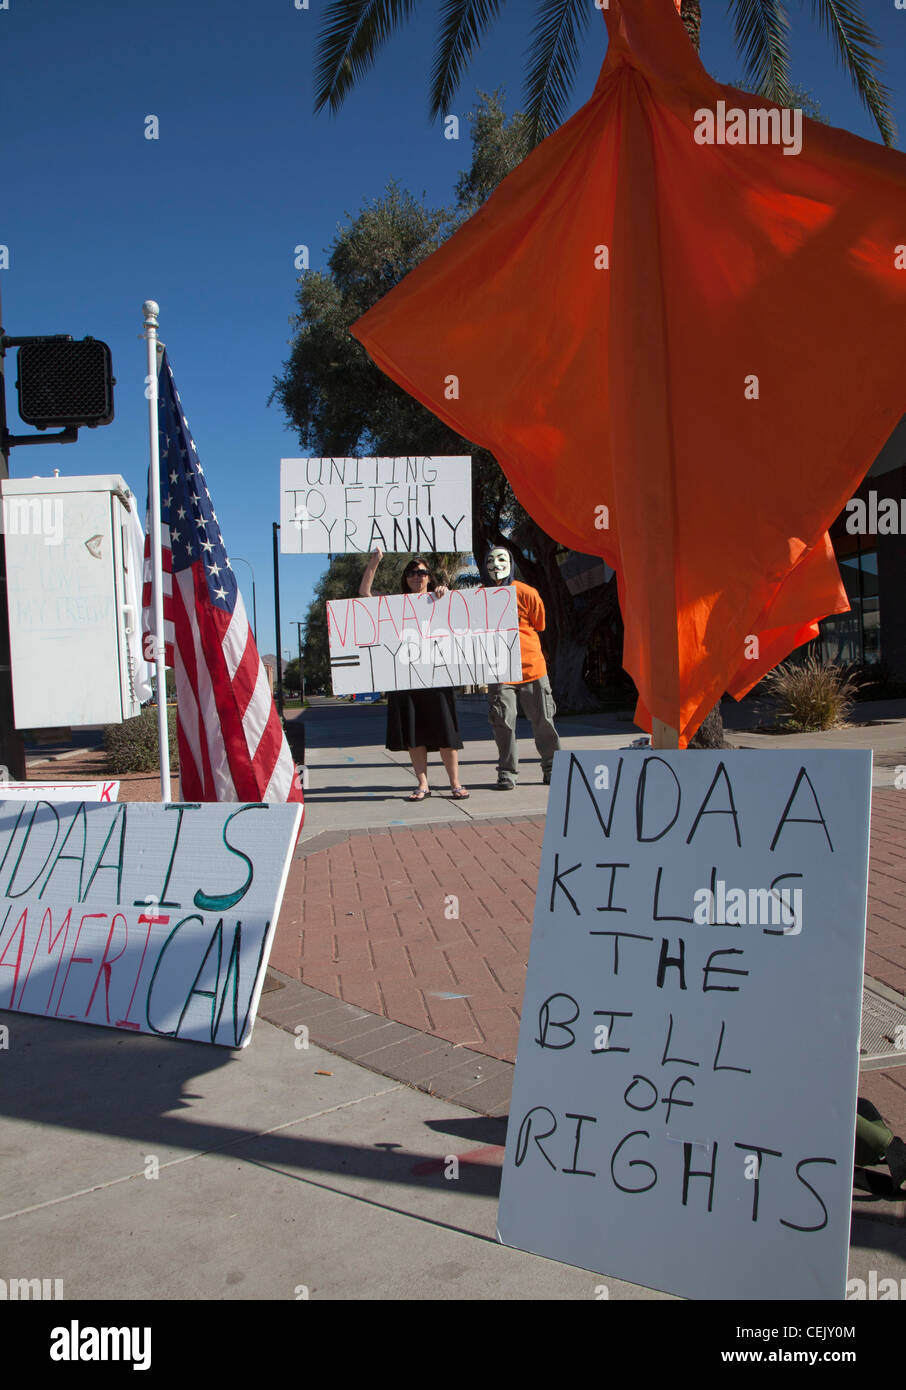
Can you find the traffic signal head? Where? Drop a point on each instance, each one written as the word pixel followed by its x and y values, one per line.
pixel 65 383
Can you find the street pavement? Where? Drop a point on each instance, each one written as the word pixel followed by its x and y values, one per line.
pixel 137 1167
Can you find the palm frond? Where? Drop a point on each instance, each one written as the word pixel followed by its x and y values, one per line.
pixel 353 33
pixel 762 32
pixel 462 24
pixel 553 58
pixel 855 43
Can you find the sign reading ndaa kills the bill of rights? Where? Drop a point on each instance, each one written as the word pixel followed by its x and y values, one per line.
pixel 422 642
pixel 343 506
pixel 155 919
pixel 683 1110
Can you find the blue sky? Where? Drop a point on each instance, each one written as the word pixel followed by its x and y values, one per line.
pixel 206 218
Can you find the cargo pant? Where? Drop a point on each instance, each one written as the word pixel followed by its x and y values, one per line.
pixel 539 708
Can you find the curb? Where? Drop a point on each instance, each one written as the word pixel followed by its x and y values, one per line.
pixel 420 1060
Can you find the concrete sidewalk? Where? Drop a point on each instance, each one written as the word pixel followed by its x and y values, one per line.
pixel 139 1167
pixel 354 782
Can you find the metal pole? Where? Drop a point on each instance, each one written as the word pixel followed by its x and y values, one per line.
pixel 151 310
pixel 276 526
pixel 12 747
pixel 254 601
pixel 861 600
pixel 301 677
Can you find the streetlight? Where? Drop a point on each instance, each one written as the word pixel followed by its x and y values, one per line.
pixel 301 675
pixel 254 602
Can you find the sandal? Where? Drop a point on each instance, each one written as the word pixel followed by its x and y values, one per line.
pixel 420 794
pixel 459 794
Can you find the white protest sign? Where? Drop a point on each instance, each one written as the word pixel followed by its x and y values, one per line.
pixel 683 1110
pixel 59 791
pixel 151 918
pixel 337 506
pixel 421 642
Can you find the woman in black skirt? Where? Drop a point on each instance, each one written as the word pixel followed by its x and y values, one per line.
pixel 421 721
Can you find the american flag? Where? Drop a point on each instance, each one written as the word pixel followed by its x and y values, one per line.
pixel 231 743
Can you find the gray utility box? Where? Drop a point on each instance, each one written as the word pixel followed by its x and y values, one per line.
pixel 74 629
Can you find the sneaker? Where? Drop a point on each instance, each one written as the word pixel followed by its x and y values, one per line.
pixel 546 779
pixel 505 786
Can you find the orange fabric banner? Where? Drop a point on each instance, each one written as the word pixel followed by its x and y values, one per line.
pixel 680 327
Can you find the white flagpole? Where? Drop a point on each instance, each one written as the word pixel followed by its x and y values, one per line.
pixel 151 311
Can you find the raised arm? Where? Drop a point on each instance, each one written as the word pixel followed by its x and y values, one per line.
pixel 370 569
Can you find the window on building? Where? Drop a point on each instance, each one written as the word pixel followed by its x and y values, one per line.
pixel 854 638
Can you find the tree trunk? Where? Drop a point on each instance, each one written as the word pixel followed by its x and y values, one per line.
pixel 567 676
pixel 710 733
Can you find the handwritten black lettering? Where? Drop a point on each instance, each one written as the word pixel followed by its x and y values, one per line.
pixel 545 1023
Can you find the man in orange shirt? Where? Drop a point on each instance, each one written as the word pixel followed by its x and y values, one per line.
pixel 534 688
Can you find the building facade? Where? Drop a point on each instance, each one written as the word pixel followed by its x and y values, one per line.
pixel 869 540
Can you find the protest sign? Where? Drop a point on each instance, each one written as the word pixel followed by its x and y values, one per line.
pixel 683 1110
pixel 151 918
pixel 59 791
pixel 421 642
pixel 339 506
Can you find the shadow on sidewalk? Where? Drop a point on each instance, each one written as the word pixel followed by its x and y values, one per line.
pixel 88 1080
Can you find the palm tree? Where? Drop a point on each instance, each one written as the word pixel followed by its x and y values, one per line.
pixel 355 30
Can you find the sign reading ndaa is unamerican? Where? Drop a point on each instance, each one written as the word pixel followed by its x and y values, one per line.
pixel 153 919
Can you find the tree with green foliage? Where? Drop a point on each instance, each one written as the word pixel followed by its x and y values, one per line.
pixel 354 31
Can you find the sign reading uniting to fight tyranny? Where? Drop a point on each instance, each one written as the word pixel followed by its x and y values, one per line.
pixel 149 918
pixel 683 1110
pixel 334 506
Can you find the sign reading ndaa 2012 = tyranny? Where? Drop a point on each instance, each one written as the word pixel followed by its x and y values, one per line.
pixel 683 1110
pixel 339 506
pixel 151 919
pixel 422 642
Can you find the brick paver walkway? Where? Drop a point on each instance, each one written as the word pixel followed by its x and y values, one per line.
pixel 431 927
pixel 885 947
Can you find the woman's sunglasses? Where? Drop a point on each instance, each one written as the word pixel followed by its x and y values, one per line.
pixel 418 572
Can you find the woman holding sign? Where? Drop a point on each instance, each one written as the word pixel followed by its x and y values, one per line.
pixel 420 721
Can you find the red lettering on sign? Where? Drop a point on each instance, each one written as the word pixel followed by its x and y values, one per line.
pixel 506 590
pixel 387 617
pixel 76 960
pixel 334 626
pixel 359 608
pixel 454 593
pixel 106 967
pixel 152 920
pixel 47 920
pixel 20 928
